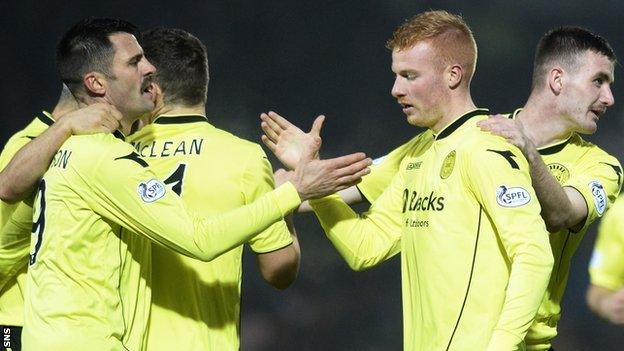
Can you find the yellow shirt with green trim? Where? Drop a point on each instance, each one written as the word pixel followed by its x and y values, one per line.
pixel 15 241
pixel 84 272
pixel 597 176
pixel 606 268
pixel 196 305
pixel 386 167
pixel 475 258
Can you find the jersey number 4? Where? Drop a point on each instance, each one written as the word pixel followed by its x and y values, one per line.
pixel 39 225
pixel 176 179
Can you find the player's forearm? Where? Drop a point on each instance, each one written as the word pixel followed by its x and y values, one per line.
pixel 20 176
pixel 606 303
pixel 220 233
pixel 531 267
pixel 349 195
pixel 360 242
pixel 557 210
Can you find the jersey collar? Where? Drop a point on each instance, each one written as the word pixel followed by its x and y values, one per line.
pixel 549 149
pixel 448 130
pixel 46 117
pixel 179 119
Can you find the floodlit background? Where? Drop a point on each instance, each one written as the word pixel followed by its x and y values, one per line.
pixel 304 58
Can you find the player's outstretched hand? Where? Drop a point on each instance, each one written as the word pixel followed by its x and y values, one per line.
pixel 510 129
pixel 286 140
pixel 95 118
pixel 316 178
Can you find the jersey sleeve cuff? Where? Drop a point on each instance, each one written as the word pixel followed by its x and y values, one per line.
pixel 604 281
pixel 287 198
pixel 503 340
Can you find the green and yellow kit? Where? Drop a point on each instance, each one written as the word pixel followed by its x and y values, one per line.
pixel 195 304
pixel 475 259
pixel 85 272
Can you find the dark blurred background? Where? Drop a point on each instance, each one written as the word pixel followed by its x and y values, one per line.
pixel 304 58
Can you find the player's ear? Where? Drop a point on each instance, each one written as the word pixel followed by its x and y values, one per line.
pixel 158 97
pixel 454 75
pixel 95 83
pixel 555 80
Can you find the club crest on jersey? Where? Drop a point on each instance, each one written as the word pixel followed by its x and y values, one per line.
pixel 559 171
pixel 151 190
pixel 512 197
pixel 448 164
pixel 600 196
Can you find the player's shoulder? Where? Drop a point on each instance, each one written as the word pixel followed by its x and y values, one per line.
pixel 589 151
pixel 236 145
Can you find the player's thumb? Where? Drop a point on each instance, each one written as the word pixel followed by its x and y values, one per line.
pixel 317 125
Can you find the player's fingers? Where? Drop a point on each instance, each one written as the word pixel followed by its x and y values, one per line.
pixel 344 161
pixel 271 145
pixel 269 132
pixel 281 121
pixel 353 168
pixel 270 123
pixel 317 125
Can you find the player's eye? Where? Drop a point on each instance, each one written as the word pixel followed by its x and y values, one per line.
pixel 410 76
pixel 599 81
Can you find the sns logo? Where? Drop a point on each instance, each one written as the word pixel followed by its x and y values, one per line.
pixel 600 197
pixel 151 191
pixel 512 197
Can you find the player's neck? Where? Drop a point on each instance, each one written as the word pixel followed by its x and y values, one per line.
pixel 454 110
pixel 541 124
pixel 179 110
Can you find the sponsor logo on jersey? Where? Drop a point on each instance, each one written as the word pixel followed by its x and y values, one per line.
pixel 430 202
pixel 512 197
pixel 559 171
pixel 379 160
pixel 600 196
pixel 448 164
pixel 151 190
pixel 413 165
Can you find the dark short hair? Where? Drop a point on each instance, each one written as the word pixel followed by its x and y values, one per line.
pixel 181 64
pixel 565 45
pixel 86 47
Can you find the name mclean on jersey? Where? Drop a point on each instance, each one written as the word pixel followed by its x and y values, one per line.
pixel 169 148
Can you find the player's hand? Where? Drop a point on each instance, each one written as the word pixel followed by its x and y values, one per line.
pixel 282 176
pixel 286 140
pixel 613 307
pixel 510 129
pixel 314 178
pixel 95 118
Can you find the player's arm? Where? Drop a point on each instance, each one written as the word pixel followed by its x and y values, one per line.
pixel 605 294
pixel 126 191
pixel 277 248
pixel 15 243
pixel 19 178
pixel 280 267
pixel 499 178
pixel 367 240
pixel 562 207
pixel 606 303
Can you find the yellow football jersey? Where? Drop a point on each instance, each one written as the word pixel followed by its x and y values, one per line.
pixel 475 259
pixel 196 305
pixel 82 280
pixel 606 268
pixel 386 167
pixel 597 176
pixel 14 244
